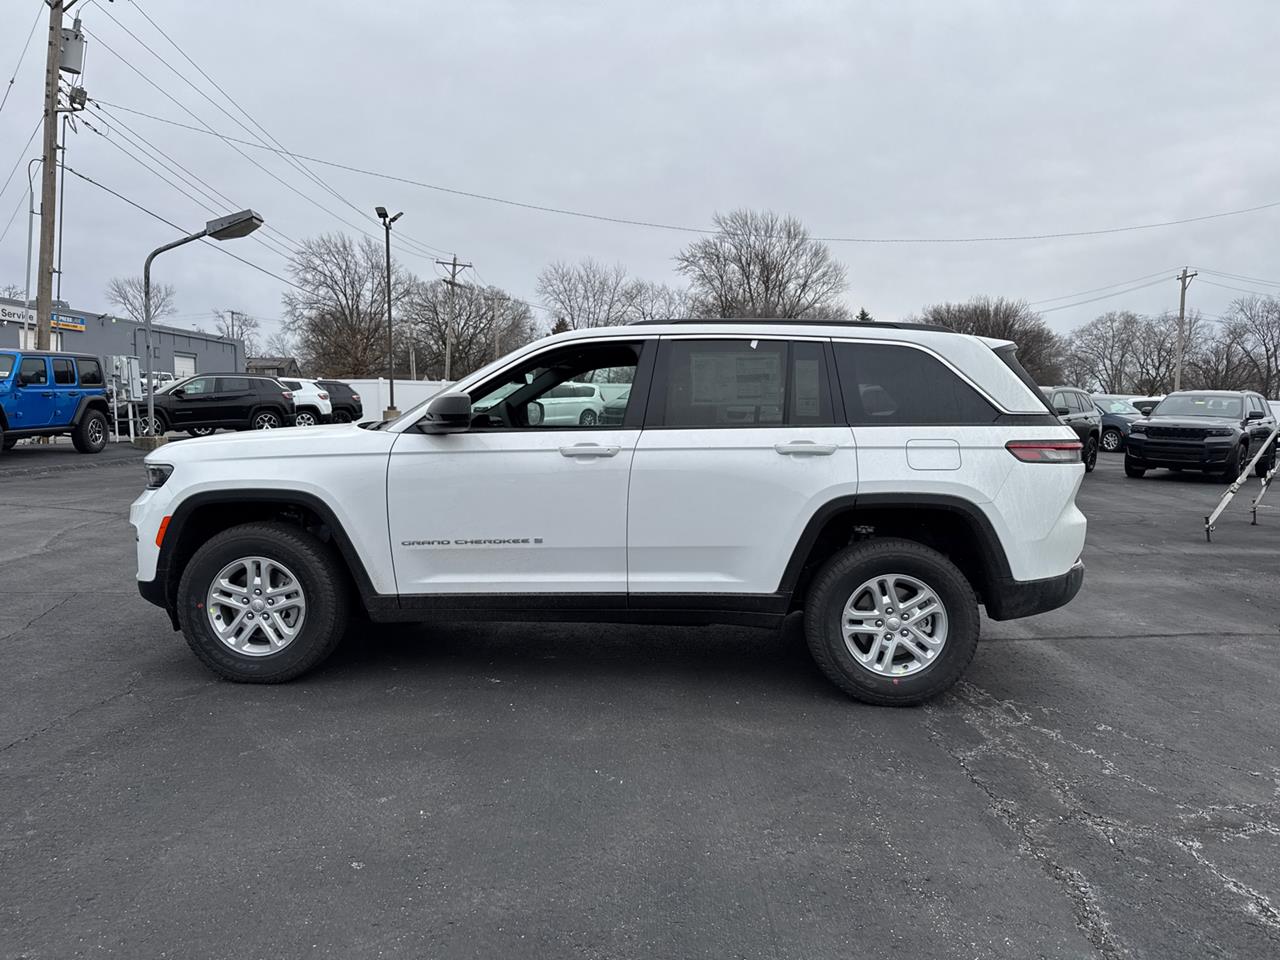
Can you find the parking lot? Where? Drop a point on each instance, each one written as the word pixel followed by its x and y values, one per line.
pixel 1104 783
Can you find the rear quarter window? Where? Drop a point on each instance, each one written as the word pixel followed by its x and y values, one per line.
pixel 893 385
pixel 90 372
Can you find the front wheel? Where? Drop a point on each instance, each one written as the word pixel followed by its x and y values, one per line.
pixel 1090 454
pixel 152 427
pixel 891 622
pixel 262 603
pixel 1239 457
pixel 1133 469
pixel 588 418
pixel 1112 440
pixel 1265 463
pixel 8 443
pixel 266 420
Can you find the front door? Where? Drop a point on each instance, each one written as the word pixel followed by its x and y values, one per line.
pixel 197 404
pixel 515 505
pixel 35 394
pixel 741 445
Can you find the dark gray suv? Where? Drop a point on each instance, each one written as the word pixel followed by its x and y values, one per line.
pixel 1215 431
pixel 1077 410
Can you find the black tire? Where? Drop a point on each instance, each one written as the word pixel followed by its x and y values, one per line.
pixel 260 418
pixel 7 443
pixel 1112 440
pixel 306 417
pixel 588 418
pixel 843 574
pixel 1090 455
pixel 341 416
pixel 1265 463
pixel 90 434
pixel 202 431
pixel 318 572
pixel 160 431
pixel 1134 468
pixel 1239 457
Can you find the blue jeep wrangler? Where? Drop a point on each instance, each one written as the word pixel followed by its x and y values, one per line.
pixel 45 394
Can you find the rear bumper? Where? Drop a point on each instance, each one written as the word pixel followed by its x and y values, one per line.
pixel 1011 599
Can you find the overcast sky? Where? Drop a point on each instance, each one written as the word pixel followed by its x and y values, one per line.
pixel 863 119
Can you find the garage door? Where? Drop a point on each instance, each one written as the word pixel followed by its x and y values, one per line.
pixel 184 365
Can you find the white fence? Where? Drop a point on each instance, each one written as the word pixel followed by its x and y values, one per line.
pixel 375 395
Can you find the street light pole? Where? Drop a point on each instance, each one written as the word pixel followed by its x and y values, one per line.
pixel 391 412
pixel 229 227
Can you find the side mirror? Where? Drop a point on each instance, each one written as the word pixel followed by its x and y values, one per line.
pixel 1255 415
pixel 180 392
pixel 535 413
pixel 1063 411
pixel 447 413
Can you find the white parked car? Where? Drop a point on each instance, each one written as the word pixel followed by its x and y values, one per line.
pixel 572 403
pixel 748 476
pixel 310 401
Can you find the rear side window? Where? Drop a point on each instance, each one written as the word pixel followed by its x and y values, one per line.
pixel 33 371
pixel 292 384
pixel 64 371
pixel 890 385
pixel 90 373
pixel 233 385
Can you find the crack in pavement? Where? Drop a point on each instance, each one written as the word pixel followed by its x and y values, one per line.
pixel 128 691
pixel 38 617
pixel 1131 636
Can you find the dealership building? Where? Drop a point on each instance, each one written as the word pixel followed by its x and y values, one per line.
pixel 177 351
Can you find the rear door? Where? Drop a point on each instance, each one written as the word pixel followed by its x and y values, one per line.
pixel 65 389
pixel 742 443
pixel 232 400
pixel 34 393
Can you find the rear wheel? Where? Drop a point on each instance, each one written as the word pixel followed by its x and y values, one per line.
pixel 588 418
pixel 1112 440
pixel 1134 468
pixel 341 416
pixel 1090 454
pixel 201 431
pixel 90 434
pixel 266 420
pixel 262 603
pixel 306 418
pixel 891 622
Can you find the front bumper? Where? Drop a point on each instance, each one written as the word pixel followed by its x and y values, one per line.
pixel 1209 453
pixel 1011 599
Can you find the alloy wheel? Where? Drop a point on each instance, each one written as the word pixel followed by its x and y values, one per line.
pixel 96 430
pixel 256 606
pixel 305 419
pixel 588 418
pixel 1111 441
pixel 894 625
pixel 266 421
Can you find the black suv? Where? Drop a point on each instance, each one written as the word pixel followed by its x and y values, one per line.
pixel 347 407
pixel 1076 409
pixel 1216 431
pixel 232 401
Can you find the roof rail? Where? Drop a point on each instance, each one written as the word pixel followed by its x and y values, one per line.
pixel 799 321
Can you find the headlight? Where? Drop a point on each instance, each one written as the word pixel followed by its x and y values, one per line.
pixel 1221 432
pixel 157 474
pixel 1138 428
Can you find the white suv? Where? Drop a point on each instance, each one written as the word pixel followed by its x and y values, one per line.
pixel 883 479
pixel 310 401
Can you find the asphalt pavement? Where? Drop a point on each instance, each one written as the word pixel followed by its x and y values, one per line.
pixel 1105 782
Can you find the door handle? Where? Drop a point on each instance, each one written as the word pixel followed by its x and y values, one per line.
pixel 804 448
pixel 589 450
pixel 47 393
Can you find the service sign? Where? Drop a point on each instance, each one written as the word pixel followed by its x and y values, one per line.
pixel 22 315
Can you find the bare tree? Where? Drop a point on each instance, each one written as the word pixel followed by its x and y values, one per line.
pixel 1253 323
pixel 236 325
pixel 1218 362
pixel 338 314
pixel 484 322
pixel 279 344
pixel 655 301
pixel 1039 348
pixel 759 264
pixel 126 293
pixel 586 294
pixel 1100 353
pixel 12 291
pixel 1155 351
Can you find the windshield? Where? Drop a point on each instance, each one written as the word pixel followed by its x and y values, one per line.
pixel 1117 406
pixel 1200 405
pixel 6 365
pixel 173 385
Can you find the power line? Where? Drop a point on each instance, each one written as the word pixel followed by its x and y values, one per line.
pixel 1109 286
pixel 17 163
pixel 1062 235
pixel 217 246
pixel 1105 296
pixel 297 164
pixel 1260 293
pixel 18 206
pixel 22 56
pixel 1241 277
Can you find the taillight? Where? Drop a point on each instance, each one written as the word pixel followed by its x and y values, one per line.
pixel 324 396
pixel 355 397
pixel 1045 451
pixel 288 394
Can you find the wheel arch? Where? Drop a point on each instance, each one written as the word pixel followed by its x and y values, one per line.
pixel 955 527
pixel 202 515
pixel 96 402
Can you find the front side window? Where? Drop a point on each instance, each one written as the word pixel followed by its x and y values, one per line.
pixel 1200 405
pixel 198 387
pixel 7 361
pixel 90 372
pixel 894 385
pixel 562 389
pixel 34 372
pixel 1111 405
pixel 64 371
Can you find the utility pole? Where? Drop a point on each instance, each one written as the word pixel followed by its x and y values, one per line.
pixel 493 311
pixel 454 268
pixel 1183 279
pixel 64 53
